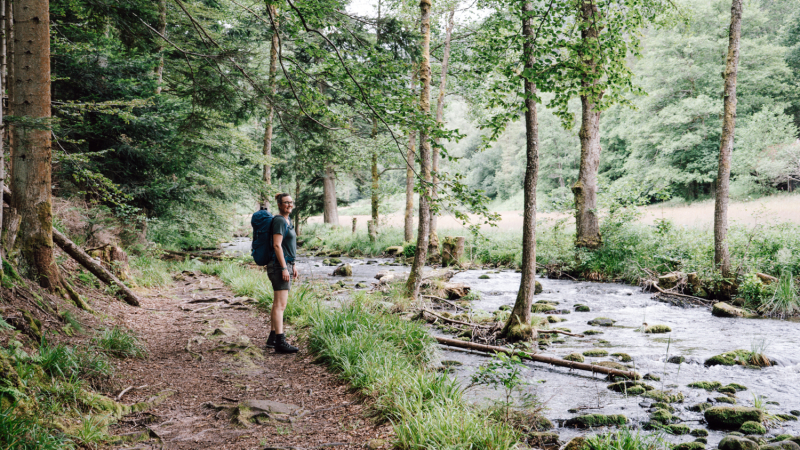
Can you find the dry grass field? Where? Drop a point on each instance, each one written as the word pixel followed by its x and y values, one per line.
pixel 779 208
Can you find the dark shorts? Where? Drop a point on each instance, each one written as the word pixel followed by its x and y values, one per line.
pixel 275 274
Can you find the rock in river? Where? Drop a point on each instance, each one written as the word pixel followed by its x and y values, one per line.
pixel 737 443
pixel 783 445
pixel 725 310
pixel 731 417
pixel 596 420
pixel 602 322
pixel 345 270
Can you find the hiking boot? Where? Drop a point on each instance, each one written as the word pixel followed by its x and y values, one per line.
pixel 271 340
pixel 281 346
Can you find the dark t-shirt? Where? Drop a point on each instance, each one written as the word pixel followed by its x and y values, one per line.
pixel 289 243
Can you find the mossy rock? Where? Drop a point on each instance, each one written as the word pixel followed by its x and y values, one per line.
pixel 520 332
pixel 678 429
pixel 394 250
pixel 484 277
pixel 725 310
pixel 660 405
pixel 596 352
pixel 781 438
pixel 592 332
pixel 731 417
pixel 575 357
pixel 596 420
pixel 651 377
pixel 581 308
pixel 611 365
pixel 727 390
pixel 731 442
pixel 699 432
pixel 505 308
pixel 546 439
pixel 702 439
pixel 554 319
pixel 729 400
pixel 576 443
pixel 657 329
pixel 661 416
pixel 700 407
pixel 345 270
pixel 786 417
pixel 602 322
pixel 737 387
pixel 541 423
pixel 751 427
pixel 666 397
pixel 335 261
pixel 624 357
pixel 690 446
pixel 537 288
pixel 728 358
pixel 783 445
pixel 676 360
pixel 542 307
pixel 795 412
pixel 707 385
pixel 625 385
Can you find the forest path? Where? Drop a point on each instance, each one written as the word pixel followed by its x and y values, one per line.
pixel 207 345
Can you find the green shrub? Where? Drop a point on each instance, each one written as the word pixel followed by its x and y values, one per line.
pixel 22 433
pixel 625 439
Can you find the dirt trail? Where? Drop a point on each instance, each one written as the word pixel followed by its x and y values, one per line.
pixel 206 344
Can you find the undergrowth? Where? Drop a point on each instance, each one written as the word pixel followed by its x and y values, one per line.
pixel 625 439
pixel 121 343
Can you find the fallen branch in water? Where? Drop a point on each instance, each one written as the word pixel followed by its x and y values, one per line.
pixel 654 285
pixel 559 332
pixel 473 325
pixel 538 358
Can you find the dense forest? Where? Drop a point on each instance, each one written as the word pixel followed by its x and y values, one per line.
pixel 139 136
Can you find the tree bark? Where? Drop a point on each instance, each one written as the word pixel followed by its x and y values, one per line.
pixel 162 29
pixel 423 232
pixel 518 326
pixel 2 125
pixel 94 267
pixel 585 189
pixel 411 157
pixel 330 213
pixel 722 257
pixel 31 177
pixel 272 86
pixel 433 247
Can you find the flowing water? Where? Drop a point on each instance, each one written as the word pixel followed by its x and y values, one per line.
pixel 696 335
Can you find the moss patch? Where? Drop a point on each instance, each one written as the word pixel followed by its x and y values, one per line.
pixel 751 427
pixel 596 352
pixel 731 417
pixel 657 329
pixel 707 385
pixel 592 332
pixel 624 357
pixel 575 357
pixel 596 420
pixel 665 397
pixel 729 358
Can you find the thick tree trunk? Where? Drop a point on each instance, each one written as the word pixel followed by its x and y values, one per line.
pixel 272 86
pixel 585 189
pixel 2 125
pixel 423 236
pixel 518 326
pixel 330 212
pixel 31 178
pixel 433 247
pixel 722 257
pixel 162 29
pixel 411 157
pixel 94 267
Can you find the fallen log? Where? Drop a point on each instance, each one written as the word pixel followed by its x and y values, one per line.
pixel 700 300
pixel 194 255
pixel 538 358
pixel 559 332
pixel 95 268
pixel 458 322
pixel 433 297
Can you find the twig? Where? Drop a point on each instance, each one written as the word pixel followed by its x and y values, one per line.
pixel 558 332
pixel 124 391
pixel 474 325
pixel 446 301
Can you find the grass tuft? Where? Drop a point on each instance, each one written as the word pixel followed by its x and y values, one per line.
pixel 121 343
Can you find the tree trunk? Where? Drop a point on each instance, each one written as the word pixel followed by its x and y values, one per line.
pixel 9 28
pixel 272 86
pixel 585 189
pixel 31 178
pixel 722 257
pixel 162 29
pixel 2 125
pixel 415 276
pixel 375 200
pixel 411 157
pixel 433 247
pixel 330 213
pixel 518 326
pixel 98 270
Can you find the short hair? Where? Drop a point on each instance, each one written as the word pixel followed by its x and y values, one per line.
pixel 279 197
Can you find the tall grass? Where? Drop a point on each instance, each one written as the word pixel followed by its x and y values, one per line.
pixel 24 433
pixel 625 439
pixel 784 301
pixel 385 357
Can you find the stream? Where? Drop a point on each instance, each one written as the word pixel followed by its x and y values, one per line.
pixel 696 335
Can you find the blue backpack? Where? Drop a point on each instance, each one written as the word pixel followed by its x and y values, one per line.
pixel 261 249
